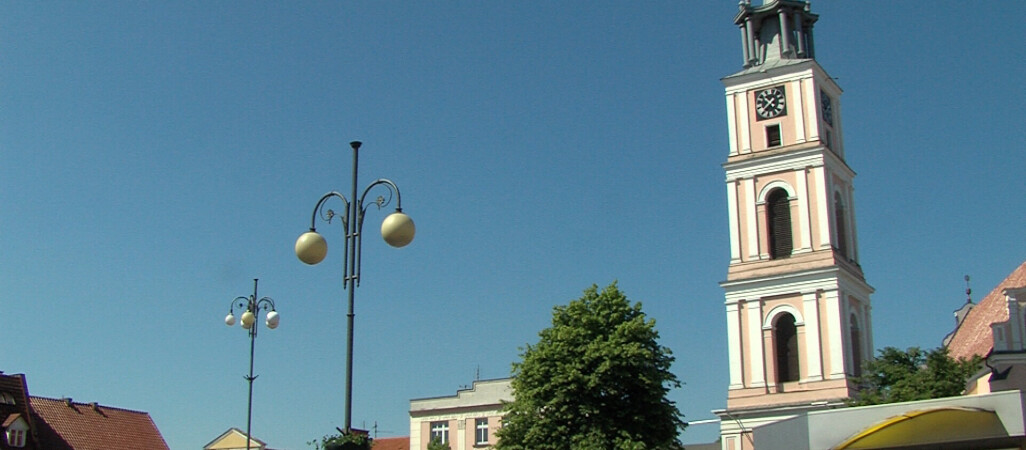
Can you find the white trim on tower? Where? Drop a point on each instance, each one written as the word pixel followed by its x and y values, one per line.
pixel 734 346
pixel 732 222
pixel 755 360
pixel 813 350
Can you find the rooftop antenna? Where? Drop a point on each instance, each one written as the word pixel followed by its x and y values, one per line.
pixel 477 373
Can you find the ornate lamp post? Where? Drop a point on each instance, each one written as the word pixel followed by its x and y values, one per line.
pixel 397 229
pixel 252 307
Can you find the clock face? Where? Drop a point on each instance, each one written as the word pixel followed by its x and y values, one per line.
pixel 828 109
pixel 770 103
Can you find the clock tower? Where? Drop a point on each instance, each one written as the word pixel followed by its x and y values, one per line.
pixel 797 304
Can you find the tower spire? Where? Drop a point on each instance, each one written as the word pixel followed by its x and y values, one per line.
pixel 968 291
pixel 777 30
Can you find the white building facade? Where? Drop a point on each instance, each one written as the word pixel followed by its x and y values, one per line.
pixel 465 421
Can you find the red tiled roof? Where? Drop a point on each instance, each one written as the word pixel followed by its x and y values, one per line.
pixel 68 425
pixel 392 443
pixel 15 386
pixel 974 336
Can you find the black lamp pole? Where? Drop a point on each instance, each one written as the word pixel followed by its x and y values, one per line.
pixel 397 230
pixel 252 308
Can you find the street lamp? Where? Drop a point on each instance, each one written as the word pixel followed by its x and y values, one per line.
pixel 252 307
pixel 397 229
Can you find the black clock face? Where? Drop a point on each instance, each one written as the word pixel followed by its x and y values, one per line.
pixel 769 103
pixel 828 109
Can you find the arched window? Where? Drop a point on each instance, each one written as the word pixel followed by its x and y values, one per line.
pixel 856 346
pixel 842 235
pixel 785 340
pixel 778 215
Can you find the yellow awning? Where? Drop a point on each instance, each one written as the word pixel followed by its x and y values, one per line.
pixel 930 426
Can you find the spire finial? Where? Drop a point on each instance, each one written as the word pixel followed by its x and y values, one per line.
pixel 968 291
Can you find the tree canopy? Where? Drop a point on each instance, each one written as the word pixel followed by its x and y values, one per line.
pixel 912 374
pixel 436 444
pixel 596 379
pixel 343 441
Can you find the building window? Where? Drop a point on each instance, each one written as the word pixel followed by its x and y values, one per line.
pixel 481 432
pixel 778 212
pixel 440 431
pixel 773 135
pixel 842 236
pixel 856 347
pixel 16 438
pixel 785 339
pixel 827 108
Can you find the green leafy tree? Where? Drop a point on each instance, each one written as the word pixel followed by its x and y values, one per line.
pixel 351 441
pixel 436 444
pixel 596 379
pixel 913 374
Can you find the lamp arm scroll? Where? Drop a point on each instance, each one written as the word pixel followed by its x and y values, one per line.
pixel 264 303
pixel 238 302
pixel 361 209
pixel 319 210
pixel 392 188
pixel 320 206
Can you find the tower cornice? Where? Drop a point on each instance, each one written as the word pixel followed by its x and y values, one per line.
pixel 794 157
pixel 781 72
pixel 816 277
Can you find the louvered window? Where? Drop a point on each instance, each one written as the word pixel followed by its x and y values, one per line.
pixel 778 208
pixel 842 237
pixel 785 337
pixel 856 347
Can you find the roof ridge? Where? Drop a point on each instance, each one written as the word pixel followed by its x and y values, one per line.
pixel 1007 282
pixel 89 404
pixel 998 291
pixel 974 336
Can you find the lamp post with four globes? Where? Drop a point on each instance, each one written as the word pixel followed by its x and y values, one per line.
pixel 397 230
pixel 252 307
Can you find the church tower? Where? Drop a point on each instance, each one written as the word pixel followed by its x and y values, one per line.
pixel 797 304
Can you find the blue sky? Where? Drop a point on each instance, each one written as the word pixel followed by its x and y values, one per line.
pixel 155 157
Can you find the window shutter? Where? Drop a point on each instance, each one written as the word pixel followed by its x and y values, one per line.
pixel 842 235
pixel 779 209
